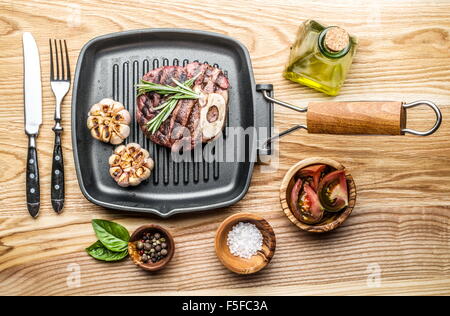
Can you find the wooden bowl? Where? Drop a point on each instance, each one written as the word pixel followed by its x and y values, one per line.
pixel 134 253
pixel 241 265
pixel 329 223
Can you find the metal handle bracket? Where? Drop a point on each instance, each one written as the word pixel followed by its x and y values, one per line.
pixel 264 88
pixel 436 110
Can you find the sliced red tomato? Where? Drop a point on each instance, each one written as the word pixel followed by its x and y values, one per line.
pixel 315 172
pixel 305 204
pixel 333 191
pixel 295 193
pixel 308 208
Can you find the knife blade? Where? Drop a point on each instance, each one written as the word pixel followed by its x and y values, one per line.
pixel 33 118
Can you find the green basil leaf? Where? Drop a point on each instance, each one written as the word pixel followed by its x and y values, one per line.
pixel 98 251
pixel 113 236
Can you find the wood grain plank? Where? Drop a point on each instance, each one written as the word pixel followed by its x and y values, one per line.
pixel 401 220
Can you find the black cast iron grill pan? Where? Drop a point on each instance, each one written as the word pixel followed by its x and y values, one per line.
pixel 110 66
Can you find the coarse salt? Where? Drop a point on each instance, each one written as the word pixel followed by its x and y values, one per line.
pixel 244 240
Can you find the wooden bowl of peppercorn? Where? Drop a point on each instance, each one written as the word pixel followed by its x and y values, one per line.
pixel 151 247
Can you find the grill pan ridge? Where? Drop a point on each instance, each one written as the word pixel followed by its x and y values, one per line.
pixel 110 66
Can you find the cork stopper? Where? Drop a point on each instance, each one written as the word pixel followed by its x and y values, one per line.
pixel 336 39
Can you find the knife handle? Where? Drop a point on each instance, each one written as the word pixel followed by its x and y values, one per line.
pixel 32 181
pixel 57 183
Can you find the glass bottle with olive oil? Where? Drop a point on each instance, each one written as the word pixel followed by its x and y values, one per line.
pixel 321 57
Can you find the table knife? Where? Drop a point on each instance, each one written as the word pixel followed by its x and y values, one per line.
pixel 33 118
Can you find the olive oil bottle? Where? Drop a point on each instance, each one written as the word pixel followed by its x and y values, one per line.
pixel 321 57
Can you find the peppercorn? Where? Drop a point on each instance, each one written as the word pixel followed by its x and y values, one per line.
pixel 152 247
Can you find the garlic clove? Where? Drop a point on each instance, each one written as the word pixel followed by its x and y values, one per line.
pixel 108 102
pixel 145 154
pixel 115 172
pixel 97 132
pixel 116 107
pixel 133 148
pixel 143 173
pixel 123 117
pixel 94 121
pixel 115 139
pixel 114 160
pixel 138 158
pixel 96 110
pixel 122 130
pixel 126 165
pixel 134 181
pixel 149 163
pixel 106 134
pixel 120 150
pixel 123 180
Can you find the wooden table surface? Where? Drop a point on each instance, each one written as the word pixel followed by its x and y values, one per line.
pixel 397 241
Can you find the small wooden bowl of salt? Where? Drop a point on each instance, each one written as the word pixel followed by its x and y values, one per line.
pixel 245 243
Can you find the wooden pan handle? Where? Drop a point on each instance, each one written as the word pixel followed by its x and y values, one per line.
pixel 356 118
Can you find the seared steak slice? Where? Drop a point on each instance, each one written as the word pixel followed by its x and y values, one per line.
pixel 147 102
pixel 182 128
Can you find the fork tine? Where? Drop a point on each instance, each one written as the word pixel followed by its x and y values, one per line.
pixel 62 61
pixel 56 59
pixel 51 60
pixel 67 61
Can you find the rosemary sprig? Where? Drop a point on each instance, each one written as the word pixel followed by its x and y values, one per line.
pixel 146 86
pixel 181 91
pixel 155 123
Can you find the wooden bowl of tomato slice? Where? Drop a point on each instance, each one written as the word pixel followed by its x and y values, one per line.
pixel 318 194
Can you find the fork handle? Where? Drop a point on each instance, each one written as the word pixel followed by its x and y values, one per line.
pixel 32 181
pixel 57 188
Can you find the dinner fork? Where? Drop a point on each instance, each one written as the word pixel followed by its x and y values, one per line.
pixel 60 83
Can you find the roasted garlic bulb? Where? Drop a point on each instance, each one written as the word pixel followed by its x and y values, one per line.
pixel 108 121
pixel 130 165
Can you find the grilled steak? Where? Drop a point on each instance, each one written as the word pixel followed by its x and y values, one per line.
pixel 192 121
